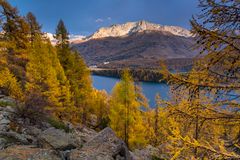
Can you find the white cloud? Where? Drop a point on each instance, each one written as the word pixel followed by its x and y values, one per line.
pixel 99 20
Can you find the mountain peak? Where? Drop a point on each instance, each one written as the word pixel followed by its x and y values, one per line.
pixel 121 30
pixel 72 38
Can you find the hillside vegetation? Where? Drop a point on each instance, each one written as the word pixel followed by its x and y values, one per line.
pixel 52 84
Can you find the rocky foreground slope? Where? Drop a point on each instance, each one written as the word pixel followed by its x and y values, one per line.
pixel 22 140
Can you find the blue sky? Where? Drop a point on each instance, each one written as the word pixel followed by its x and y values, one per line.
pixel 86 16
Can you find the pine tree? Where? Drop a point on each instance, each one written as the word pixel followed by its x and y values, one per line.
pixel 35 28
pixel 14 26
pixel 62 35
pixel 16 35
pixel 77 73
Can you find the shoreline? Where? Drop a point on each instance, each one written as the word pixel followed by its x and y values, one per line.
pixel 139 75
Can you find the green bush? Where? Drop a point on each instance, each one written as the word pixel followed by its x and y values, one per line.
pixel 59 125
pixel 5 103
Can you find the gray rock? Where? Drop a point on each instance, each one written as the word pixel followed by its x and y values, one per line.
pixel 7 109
pixel 3 143
pixel 57 139
pixel 104 146
pixel 84 134
pixel 6 114
pixel 4 128
pixel 44 154
pixel 33 131
pixel 15 137
pixel 10 109
pixel 28 153
pixel 1 95
pixel 148 153
pixel 4 121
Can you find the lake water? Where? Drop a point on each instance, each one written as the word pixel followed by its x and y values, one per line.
pixel 150 89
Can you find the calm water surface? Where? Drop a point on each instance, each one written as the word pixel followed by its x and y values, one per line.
pixel 150 89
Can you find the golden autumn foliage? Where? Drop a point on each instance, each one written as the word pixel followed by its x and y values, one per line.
pixel 9 82
pixel 205 101
pixel 199 121
pixel 45 76
pixel 125 112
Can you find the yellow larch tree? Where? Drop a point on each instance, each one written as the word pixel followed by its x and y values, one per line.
pixel 125 113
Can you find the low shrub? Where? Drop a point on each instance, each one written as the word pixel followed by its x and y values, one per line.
pixel 59 125
pixel 5 104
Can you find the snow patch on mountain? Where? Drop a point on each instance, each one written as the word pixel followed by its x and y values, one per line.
pixel 129 28
pixel 72 38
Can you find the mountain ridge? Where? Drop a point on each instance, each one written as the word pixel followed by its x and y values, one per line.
pixel 126 29
pixel 119 30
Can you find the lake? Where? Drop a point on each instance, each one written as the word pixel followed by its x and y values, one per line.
pixel 150 89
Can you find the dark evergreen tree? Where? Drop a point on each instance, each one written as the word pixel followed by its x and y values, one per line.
pixel 15 35
pixel 35 27
pixel 14 26
pixel 62 35
pixel 64 51
pixel 76 72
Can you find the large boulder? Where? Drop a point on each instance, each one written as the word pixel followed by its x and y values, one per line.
pixel 84 134
pixel 28 153
pixel 104 146
pixel 57 139
pixel 149 153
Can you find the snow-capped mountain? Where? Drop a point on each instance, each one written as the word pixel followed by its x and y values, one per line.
pixel 136 44
pixel 72 38
pixel 121 30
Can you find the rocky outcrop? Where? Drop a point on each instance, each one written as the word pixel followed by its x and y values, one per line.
pixel 148 153
pixel 57 139
pixel 6 112
pixel 104 146
pixel 22 140
pixel 5 115
pixel 25 152
pixel 15 137
pixel 84 134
